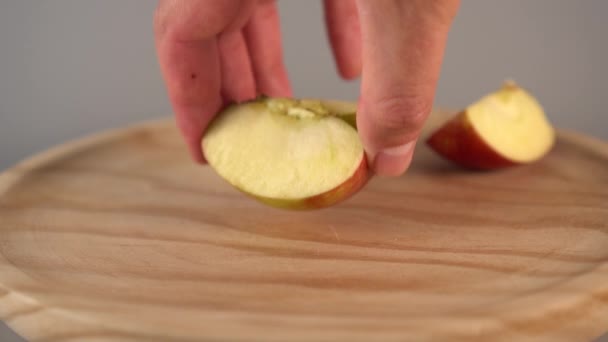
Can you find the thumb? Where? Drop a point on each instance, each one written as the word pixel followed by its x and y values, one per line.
pixel 403 44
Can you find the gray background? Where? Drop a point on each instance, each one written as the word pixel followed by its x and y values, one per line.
pixel 72 67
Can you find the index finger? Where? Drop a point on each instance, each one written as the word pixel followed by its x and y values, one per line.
pixel 191 72
pixel 188 54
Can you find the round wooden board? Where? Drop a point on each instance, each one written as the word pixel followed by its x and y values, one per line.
pixel 122 238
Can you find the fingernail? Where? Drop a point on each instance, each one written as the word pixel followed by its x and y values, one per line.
pixel 393 161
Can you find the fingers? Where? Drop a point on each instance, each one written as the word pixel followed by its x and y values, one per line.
pixel 403 46
pixel 263 38
pixel 192 76
pixel 187 48
pixel 344 31
pixel 198 20
pixel 238 83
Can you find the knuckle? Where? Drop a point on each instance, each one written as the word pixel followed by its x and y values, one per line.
pixel 266 10
pixel 159 19
pixel 441 12
pixel 192 21
pixel 400 114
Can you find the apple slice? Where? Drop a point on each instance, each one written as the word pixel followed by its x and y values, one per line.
pixel 502 129
pixel 288 153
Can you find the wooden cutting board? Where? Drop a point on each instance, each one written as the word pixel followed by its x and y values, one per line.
pixel 121 238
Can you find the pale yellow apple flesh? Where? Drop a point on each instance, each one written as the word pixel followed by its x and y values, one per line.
pixel 505 128
pixel 288 153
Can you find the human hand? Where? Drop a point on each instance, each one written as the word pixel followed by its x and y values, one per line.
pixel 403 42
pixel 212 52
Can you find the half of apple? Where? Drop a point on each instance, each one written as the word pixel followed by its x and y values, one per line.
pixel 505 128
pixel 289 153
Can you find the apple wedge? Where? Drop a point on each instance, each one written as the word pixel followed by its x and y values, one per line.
pixel 289 153
pixel 505 128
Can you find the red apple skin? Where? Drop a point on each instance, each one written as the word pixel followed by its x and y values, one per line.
pixel 327 199
pixel 458 142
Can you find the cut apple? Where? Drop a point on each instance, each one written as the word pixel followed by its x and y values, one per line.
pixel 289 153
pixel 505 128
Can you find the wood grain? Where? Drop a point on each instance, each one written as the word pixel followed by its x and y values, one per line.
pixel 120 238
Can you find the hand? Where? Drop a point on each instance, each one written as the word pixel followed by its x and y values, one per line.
pixel 215 51
pixel 403 46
